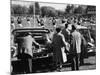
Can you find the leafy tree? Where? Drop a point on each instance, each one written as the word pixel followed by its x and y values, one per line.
pixel 18 10
pixel 37 8
pixel 60 13
pixel 31 9
pixel 79 10
pixel 12 11
pixel 69 9
pixel 48 11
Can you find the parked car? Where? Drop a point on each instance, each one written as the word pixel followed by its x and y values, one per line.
pixel 89 36
pixel 42 56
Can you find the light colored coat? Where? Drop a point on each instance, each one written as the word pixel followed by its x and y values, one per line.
pixel 27 44
pixel 76 41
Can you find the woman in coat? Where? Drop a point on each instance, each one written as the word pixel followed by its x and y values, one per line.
pixel 58 42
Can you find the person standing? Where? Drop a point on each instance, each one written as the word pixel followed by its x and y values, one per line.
pixel 58 42
pixel 19 22
pixel 24 57
pixel 28 40
pixel 67 36
pixel 42 23
pixel 54 22
pixel 75 48
pixel 26 43
pixel 83 50
pixel 28 21
pixel 66 32
pixel 12 24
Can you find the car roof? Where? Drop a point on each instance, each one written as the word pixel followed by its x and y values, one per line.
pixel 33 30
pixel 81 27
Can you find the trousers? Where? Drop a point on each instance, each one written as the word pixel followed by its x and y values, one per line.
pixel 75 60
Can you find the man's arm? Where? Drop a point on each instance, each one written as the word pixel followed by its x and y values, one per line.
pixel 35 42
pixel 48 39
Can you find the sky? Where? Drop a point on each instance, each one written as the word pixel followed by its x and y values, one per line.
pixel 22 3
pixel 27 3
pixel 57 6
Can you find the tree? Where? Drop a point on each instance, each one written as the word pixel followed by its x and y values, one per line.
pixel 48 11
pixel 69 9
pixel 37 8
pixel 18 10
pixel 25 10
pixel 60 13
pixel 31 9
pixel 79 10
pixel 12 11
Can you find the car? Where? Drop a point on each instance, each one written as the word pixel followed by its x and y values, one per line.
pixel 89 35
pixel 89 49
pixel 42 56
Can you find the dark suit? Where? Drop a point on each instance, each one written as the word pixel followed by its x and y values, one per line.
pixel 57 45
pixel 66 35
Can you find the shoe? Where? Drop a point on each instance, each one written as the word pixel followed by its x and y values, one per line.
pixel 58 70
pixel 60 66
pixel 81 64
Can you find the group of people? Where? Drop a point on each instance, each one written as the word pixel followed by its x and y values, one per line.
pixel 68 40
pixel 46 22
pixel 71 41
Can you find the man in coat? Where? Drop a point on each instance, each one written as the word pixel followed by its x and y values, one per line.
pixel 26 42
pixel 75 48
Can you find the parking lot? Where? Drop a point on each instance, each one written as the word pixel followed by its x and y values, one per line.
pixel 89 64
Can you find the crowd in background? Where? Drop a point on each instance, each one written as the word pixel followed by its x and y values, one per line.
pixel 52 22
pixel 31 21
pixel 63 34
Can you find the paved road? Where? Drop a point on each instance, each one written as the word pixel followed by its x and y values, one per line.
pixel 89 64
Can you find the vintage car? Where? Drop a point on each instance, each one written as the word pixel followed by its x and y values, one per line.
pixel 42 56
pixel 89 33
pixel 90 36
pixel 89 49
